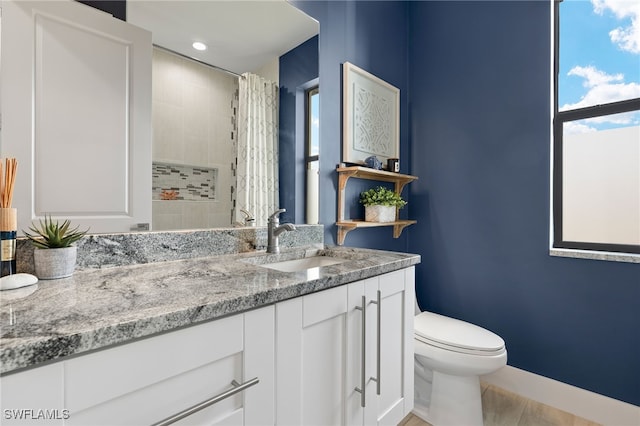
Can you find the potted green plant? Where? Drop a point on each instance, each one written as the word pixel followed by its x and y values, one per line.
pixel 380 204
pixel 55 253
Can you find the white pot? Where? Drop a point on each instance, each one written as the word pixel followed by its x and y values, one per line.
pixel 56 263
pixel 379 213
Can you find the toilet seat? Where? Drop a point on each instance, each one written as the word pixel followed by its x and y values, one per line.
pixel 455 335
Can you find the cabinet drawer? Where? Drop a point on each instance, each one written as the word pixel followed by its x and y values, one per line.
pixel 112 373
pixel 165 398
pixel 24 394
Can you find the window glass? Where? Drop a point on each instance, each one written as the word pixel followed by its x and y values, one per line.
pixel 314 122
pixel 313 155
pixel 601 182
pixel 599 58
pixel 596 172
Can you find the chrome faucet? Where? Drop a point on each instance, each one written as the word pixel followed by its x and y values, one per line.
pixel 274 229
pixel 249 220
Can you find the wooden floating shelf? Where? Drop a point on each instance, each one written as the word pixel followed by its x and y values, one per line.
pixel 345 173
pixel 346 225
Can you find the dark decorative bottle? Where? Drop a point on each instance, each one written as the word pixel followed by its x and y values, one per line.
pixel 8 235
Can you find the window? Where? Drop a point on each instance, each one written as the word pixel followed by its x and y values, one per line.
pixel 596 128
pixel 312 155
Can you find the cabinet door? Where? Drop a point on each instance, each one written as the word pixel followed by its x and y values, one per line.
pixel 388 359
pixel 395 399
pixel 259 361
pixel 76 113
pixel 361 353
pixel 311 365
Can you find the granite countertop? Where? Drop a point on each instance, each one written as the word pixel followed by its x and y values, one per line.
pixel 96 308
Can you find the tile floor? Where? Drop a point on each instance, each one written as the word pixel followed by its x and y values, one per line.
pixel 503 408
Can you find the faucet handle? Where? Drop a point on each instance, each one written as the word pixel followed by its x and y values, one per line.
pixel 249 220
pixel 275 214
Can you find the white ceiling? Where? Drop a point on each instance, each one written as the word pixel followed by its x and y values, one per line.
pixel 241 35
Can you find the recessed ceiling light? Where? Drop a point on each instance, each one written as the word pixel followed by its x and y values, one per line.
pixel 199 46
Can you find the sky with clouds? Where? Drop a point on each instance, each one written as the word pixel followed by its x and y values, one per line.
pixel 599 58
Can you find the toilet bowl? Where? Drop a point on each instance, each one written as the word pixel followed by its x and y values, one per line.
pixel 450 355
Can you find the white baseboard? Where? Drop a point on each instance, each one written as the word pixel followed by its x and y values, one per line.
pixel 580 402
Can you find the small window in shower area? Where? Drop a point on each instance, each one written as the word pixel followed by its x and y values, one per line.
pixel 312 153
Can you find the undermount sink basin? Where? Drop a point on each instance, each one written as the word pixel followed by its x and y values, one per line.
pixel 303 264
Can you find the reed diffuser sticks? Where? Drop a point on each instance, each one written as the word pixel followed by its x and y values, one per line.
pixel 7 181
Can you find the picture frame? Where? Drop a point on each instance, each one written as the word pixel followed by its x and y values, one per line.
pixel 371 117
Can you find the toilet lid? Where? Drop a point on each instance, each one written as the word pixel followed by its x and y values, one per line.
pixel 459 335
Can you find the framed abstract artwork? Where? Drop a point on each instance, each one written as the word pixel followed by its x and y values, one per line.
pixel 371 116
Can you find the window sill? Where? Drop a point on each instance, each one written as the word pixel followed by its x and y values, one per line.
pixel 595 255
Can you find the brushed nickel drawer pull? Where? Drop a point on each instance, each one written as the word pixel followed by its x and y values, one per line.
pixel 363 360
pixel 237 387
pixel 378 348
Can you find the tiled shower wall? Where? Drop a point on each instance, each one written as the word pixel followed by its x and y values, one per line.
pixel 193 140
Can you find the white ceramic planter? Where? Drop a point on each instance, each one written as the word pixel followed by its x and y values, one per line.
pixel 56 263
pixel 379 213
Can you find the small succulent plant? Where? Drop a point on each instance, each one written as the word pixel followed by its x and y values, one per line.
pixel 381 196
pixel 50 234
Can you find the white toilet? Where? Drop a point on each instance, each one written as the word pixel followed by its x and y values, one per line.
pixel 450 355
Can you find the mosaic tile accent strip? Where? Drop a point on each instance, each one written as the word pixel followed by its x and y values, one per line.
pixel 234 141
pixel 181 182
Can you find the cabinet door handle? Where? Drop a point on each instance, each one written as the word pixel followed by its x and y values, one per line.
pixel 378 348
pixel 363 359
pixel 237 387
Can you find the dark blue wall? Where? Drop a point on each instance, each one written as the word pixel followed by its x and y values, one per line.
pixel 372 35
pixel 480 108
pixel 298 67
pixel 475 83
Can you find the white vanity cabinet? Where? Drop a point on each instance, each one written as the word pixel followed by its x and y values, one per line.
pixel 323 354
pixel 317 359
pixel 150 380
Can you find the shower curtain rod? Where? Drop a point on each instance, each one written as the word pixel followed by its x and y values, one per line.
pixel 198 60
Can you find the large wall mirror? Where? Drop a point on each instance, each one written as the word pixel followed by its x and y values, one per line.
pixel 99 94
pixel 195 98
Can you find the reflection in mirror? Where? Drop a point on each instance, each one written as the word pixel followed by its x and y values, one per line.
pixel 312 118
pixel 257 184
pixel 197 181
pixel 193 152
